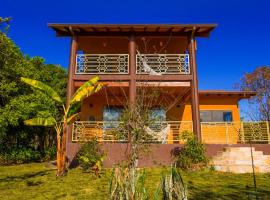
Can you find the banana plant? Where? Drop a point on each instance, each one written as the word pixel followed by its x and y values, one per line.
pixel 70 114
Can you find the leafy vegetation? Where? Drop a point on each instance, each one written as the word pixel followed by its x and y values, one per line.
pixel 173 186
pixel 258 81
pixel 90 157
pixel 192 155
pixel 18 103
pixel 122 187
pixel 37 181
pixel 70 114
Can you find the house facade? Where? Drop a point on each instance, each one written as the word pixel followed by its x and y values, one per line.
pixel 162 57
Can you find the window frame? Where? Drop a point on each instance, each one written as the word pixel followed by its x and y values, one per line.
pixel 212 118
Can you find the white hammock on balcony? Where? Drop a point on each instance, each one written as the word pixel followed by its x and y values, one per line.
pixel 146 67
pixel 161 135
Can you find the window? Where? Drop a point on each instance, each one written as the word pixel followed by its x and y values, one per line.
pixel 112 113
pixel 158 114
pixel 111 116
pixel 215 116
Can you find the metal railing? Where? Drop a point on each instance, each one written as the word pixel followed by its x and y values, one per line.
pixel 163 63
pixel 102 64
pixel 119 63
pixel 211 132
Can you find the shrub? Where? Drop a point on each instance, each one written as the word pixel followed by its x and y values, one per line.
pixel 192 155
pixel 49 154
pixel 90 157
pixel 172 186
pixel 128 184
pixel 19 156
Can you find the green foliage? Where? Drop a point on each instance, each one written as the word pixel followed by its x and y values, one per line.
pixel 18 102
pixel 126 184
pixel 192 155
pixel 172 186
pixel 19 156
pixel 90 156
pixel 26 155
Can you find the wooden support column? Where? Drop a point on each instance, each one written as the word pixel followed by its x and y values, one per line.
pixel 132 68
pixel 194 88
pixel 71 74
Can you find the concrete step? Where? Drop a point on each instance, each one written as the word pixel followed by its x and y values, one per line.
pixel 238 160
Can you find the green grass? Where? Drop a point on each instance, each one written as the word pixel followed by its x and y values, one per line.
pixel 37 181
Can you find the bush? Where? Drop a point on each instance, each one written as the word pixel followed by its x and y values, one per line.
pixel 90 157
pixel 49 154
pixel 192 155
pixel 26 155
pixel 19 156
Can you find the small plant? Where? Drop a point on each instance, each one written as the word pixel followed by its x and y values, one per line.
pixel 192 155
pixel 127 184
pixel 90 157
pixel 172 186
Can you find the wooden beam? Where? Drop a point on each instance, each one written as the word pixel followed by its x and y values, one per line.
pixel 173 77
pixel 194 88
pixel 132 68
pixel 112 77
pixel 70 86
pixel 138 77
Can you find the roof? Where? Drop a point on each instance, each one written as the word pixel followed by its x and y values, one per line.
pixel 239 94
pixel 200 30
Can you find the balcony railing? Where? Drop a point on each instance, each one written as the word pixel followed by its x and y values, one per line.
pixel 145 64
pixel 171 132
pixel 163 63
pixel 102 64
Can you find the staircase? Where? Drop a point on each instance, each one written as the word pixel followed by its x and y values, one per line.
pixel 238 160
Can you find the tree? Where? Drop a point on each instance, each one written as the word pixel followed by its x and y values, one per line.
pixel 18 103
pixel 69 116
pixel 259 81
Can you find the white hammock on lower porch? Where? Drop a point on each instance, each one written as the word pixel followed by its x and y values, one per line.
pixel 161 135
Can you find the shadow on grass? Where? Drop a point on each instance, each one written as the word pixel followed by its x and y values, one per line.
pixel 26 176
pixel 235 193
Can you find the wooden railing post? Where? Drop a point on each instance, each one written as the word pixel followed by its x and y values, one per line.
pixel 194 88
pixel 132 68
pixel 268 131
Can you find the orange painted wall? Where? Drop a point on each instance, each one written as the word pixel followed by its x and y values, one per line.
pixel 94 106
pixel 215 134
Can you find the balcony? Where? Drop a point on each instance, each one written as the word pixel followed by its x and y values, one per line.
pixel 171 131
pixel 159 64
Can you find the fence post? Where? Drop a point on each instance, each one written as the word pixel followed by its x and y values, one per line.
pixel 267 129
pixel 227 136
pixel 242 133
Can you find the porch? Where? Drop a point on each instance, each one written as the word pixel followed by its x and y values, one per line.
pixel 170 132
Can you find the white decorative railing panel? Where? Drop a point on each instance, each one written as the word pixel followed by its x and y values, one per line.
pixel 171 132
pixel 102 64
pixel 162 63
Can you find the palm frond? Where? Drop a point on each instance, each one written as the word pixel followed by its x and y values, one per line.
pixel 50 121
pixel 72 118
pixel 42 87
pixel 86 90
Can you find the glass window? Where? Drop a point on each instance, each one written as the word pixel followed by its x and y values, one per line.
pixel 215 116
pixel 111 116
pixel 158 114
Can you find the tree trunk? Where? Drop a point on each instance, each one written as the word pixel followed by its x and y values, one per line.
pixel 63 151
pixel 58 155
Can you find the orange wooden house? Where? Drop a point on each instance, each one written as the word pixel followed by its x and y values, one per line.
pixel 161 56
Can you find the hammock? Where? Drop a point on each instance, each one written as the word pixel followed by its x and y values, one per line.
pixel 146 67
pixel 159 135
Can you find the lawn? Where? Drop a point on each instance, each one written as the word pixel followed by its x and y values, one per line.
pixel 38 181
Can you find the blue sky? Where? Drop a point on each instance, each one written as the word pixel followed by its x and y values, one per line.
pixel 239 44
